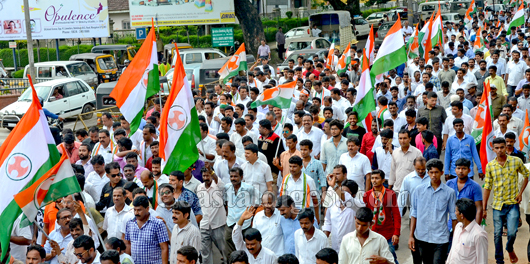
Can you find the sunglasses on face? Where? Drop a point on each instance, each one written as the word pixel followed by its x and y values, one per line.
pixel 114 175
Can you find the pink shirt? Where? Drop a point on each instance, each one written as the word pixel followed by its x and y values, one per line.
pixel 419 143
pixel 74 155
pixel 470 245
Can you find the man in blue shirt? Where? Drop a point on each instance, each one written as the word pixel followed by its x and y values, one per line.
pixel 465 187
pixel 56 133
pixel 432 205
pixel 460 145
pixel 289 222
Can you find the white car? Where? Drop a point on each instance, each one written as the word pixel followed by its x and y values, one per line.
pixel 305 43
pixel 75 97
pixel 298 32
pixel 451 17
pixel 197 56
pixel 362 27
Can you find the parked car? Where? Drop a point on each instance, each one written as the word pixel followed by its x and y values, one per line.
pixel 192 74
pixel 197 56
pixel 427 8
pixel 76 97
pixel 362 27
pixel 169 50
pixel 451 17
pixel 495 7
pixel 299 32
pixel 375 18
pixel 381 32
pixel 65 69
pixel 304 44
pixel 306 54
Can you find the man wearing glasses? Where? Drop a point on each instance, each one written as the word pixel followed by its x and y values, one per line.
pixel 85 250
pixel 115 180
pixel 60 237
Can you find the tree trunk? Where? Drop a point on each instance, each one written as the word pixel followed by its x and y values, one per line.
pixel 251 25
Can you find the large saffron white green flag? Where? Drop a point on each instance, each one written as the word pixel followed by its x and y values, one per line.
pixel 179 124
pixel 364 102
pixel 437 29
pixel 392 51
pixel 344 60
pixel 138 82
pixel 27 153
pixel 517 20
pixel 279 96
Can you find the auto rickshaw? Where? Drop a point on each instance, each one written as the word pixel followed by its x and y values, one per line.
pixel 103 64
pixel 169 50
pixel 120 52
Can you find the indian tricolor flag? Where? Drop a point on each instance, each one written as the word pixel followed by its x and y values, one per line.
pixel 427 46
pixel 391 53
pixel 179 124
pixel 364 102
pixel 139 82
pixel 238 62
pixel 330 63
pixel 279 96
pixel 486 143
pixel 27 153
pixel 369 50
pixel 422 36
pixel 524 142
pixel 413 45
pixel 344 61
pixel 480 117
pixel 59 181
pixel 479 41
pixel 517 20
pixel 437 29
pixel 468 18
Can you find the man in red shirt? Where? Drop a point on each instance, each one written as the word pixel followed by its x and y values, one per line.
pixel 369 139
pixel 308 67
pixel 383 202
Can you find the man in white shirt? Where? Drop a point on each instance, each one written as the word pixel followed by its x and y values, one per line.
pixel 515 124
pixel 383 154
pixel 308 239
pixel 407 30
pixel 312 133
pixel 358 164
pixel 85 250
pixel 184 233
pixel 256 172
pixel 190 182
pixel 206 146
pixel 105 147
pixel 98 178
pixel 364 244
pixel 515 72
pixel 240 132
pixel 60 237
pixel 268 222
pixel 213 223
pixel 229 161
pixel 341 206
pixel 243 96
pixel 115 214
pixel 20 238
pixel 457 110
pixel 460 58
pixel 251 242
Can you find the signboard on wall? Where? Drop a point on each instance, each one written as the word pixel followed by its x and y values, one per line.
pixel 181 12
pixel 52 19
pixel 222 37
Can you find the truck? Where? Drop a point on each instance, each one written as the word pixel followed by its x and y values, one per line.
pixel 336 27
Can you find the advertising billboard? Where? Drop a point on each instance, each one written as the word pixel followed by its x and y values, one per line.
pixel 181 12
pixel 52 19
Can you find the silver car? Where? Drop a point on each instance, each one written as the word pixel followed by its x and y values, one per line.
pixel 381 32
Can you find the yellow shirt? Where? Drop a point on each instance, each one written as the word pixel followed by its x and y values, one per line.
pixel 499 83
pixel 504 180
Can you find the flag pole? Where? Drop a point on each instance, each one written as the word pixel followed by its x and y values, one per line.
pixel 43 232
pixel 90 214
pixel 280 141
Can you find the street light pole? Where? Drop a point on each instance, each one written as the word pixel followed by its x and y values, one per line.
pixel 29 39
pixel 410 14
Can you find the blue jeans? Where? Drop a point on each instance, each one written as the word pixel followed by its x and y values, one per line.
pixel 509 214
pixel 392 250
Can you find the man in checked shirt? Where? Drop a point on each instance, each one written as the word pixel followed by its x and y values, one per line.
pixel 502 176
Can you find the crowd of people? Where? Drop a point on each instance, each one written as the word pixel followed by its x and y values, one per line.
pixel 308 184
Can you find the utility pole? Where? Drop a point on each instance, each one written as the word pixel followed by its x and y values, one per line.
pixel 410 13
pixel 30 40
